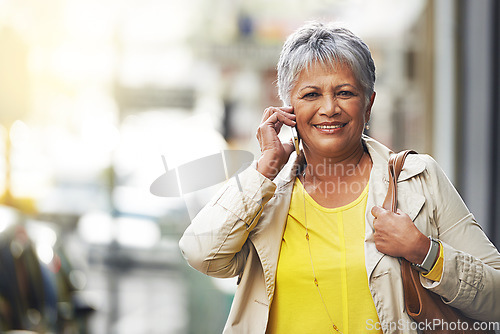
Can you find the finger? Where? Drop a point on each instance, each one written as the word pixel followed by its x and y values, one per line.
pixel 287 109
pixel 284 111
pixel 273 122
pixel 401 213
pixel 267 112
pixel 288 119
pixel 267 133
pixel 284 115
pixel 277 120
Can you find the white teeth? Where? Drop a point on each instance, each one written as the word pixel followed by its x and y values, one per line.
pixel 329 126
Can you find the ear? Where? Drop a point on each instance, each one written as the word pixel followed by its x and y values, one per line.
pixel 369 107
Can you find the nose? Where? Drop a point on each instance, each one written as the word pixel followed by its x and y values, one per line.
pixel 329 106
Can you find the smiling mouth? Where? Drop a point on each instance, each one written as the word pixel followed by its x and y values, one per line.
pixel 329 127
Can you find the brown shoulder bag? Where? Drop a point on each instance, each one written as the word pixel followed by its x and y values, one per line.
pixel 424 306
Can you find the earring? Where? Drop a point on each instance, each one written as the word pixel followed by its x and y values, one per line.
pixel 367 126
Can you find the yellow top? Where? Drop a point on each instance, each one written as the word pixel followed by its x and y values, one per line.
pixel 336 238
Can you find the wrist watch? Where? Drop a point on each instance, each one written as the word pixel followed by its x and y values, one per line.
pixel 430 258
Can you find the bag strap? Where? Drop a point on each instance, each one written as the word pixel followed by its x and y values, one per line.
pixel 396 162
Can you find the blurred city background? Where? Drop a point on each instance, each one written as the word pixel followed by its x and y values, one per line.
pixel 94 92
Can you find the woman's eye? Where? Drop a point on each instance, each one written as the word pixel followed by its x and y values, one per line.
pixel 345 93
pixel 310 95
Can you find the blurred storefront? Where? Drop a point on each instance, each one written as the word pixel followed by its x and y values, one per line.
pixel 477 110
pixel 94 93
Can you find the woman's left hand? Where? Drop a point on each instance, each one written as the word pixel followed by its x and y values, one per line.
pixel 396 235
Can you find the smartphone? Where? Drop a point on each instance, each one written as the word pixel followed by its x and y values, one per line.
pixel 295 139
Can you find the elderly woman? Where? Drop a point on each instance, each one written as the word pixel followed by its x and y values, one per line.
pixel 313 249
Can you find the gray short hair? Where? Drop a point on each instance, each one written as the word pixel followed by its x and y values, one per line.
pixel 330 46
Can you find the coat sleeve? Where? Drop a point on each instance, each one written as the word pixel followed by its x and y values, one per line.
pixel 215 241
pixel 471 271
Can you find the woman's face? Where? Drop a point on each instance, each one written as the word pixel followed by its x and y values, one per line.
pixel 331 110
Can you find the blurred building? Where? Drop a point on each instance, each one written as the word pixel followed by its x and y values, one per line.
pixel 478 99
pixel 466 103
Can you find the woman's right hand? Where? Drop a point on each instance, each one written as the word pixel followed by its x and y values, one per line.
pixel 274 153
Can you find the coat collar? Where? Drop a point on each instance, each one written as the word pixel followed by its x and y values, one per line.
pixel 267 235
pixel 380 156
pixel 409 201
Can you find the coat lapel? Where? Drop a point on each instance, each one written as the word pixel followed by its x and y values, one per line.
pixel 409 201
pixel 267 235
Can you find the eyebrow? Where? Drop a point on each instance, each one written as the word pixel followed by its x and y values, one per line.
pixel 336 87
pixel 308 86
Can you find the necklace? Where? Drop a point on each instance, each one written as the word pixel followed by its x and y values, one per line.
pixel 316 283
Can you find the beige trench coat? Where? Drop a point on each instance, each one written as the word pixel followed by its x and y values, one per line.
pixel 239 232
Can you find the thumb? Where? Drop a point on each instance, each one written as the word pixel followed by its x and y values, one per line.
pixel 377 211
